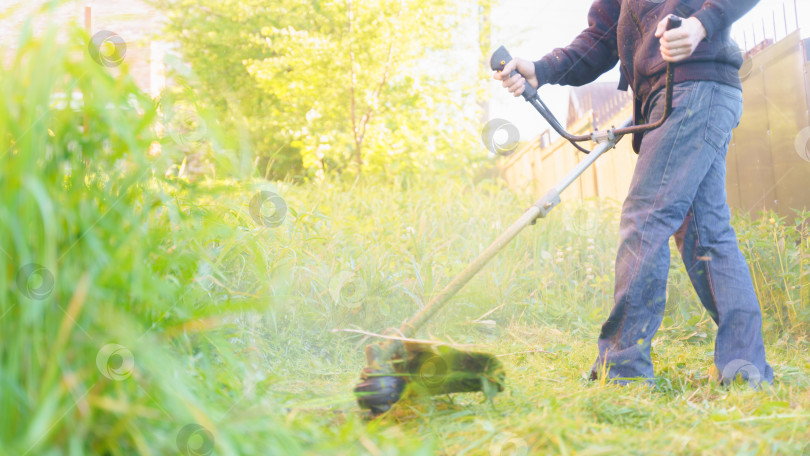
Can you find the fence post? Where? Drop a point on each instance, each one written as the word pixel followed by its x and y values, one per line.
pixel 88 27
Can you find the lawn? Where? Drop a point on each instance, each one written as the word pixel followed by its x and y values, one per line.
pixel 550 290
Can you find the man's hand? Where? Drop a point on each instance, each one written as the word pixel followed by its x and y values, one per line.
pixel 517 83
pixel 678 44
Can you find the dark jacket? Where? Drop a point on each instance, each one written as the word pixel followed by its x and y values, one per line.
pixel 624 31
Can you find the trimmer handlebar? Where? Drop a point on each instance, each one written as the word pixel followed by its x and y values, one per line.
pixel 501 57
pixel 499 60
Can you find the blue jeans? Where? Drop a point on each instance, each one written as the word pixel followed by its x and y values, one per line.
pixel 679 188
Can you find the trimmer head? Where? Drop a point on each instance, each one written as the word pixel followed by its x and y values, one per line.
pixel 380 385
pixel 426 370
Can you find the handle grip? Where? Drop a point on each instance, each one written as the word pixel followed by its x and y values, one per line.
pixel 674 22
pixel 499 60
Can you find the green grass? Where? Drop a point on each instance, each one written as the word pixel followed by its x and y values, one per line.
pixel 555 285
pixel 224 323
pixel 550 408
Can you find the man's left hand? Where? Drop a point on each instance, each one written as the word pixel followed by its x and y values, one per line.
pixel 679 43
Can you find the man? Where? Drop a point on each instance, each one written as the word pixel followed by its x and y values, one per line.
pixel 678 186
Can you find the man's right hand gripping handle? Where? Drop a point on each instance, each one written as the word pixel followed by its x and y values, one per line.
pixel 499 60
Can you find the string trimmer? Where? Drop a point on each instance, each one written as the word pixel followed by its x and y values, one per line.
pixel 440 369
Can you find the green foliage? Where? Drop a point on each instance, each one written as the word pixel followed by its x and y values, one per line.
pixel 216 37
pixel 73 203
pixel 106 342
pixel 778 251
pixel 331 87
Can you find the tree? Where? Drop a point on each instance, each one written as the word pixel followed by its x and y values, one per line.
pixel 341 85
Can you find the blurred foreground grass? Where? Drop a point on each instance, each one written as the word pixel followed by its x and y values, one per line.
pixel 142 313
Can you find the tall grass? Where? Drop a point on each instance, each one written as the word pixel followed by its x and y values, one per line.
pixel 136 305
pixel 104 349
pixel 778 250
